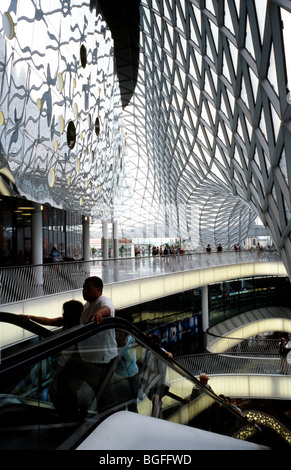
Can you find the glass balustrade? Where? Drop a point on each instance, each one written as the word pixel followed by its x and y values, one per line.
pixel 53 394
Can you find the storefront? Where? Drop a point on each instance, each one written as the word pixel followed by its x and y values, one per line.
pixel 61 229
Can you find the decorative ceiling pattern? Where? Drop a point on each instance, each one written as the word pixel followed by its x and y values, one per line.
pixel 202 148
pixel 61 126
pixel 209 123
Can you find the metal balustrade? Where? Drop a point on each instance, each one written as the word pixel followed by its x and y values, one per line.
pixel 27 282
pixel 232 364
pixel 240 356
pixel 32 419
pixel 31 281
pixel 249 346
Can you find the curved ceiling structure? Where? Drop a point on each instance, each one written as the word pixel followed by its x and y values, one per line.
pixel 194 142
pixel 209 122
pixel 61 124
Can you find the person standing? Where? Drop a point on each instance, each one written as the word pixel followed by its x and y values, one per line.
pixel 54 255
pixel 219 248
pixel 196 391
pixel 126 373
pixel 283 351
pixel 98 352
pixel 92 366
pixel 72 310
pixel 153 382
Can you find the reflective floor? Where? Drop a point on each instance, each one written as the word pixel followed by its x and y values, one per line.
pixel 124 269
pixel 26 282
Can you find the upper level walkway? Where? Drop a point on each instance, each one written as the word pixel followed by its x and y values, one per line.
pixel 42 289
pixel 130 281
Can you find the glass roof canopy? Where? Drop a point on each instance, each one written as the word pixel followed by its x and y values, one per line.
pixel 209 123
pixel 201 150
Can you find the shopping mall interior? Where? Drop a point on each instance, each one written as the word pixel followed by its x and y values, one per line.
pixel 145 143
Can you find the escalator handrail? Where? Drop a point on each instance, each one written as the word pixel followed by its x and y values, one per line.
pixel 25 323
pixel 57 342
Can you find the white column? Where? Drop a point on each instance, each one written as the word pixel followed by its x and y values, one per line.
pixel 105 239
pixel 37 248
pixel 86 238
pixel 115 240
pixel 36 235
pixel 205 310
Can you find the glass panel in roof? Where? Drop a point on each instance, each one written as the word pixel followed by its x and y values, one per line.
pixel 222 104
pixel 214 30
pixel 180 20
pixel 243 93
pixel 286 30
pixel 146 21
pixel 212 111
pixel 220 134
pixel 276 121
pixel 169 31
pixel 254 82
pixel 261 9
pixel 167 11
pixel 210 137
pixel 262 124
pixel 234 55
pixel 221 156
pixel 283 167
pixel 225 69
pixel 239 129
pixel 230 99
pixel 209 6
pixel 287 210
pixel 192 68
pixel 227 17
pixel 180 52
pixel 197 13
pixel 214 77
pixel 158 26
pixel 272 73
pixel 169 147
pixel 207 86
pixel 249 39
pixel 155 5
pixel 229 132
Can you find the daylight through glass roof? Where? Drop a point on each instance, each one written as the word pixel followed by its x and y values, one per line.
pixel 209 124
pixel 201 150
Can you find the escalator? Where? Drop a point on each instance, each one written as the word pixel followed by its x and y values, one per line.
pixel 49 400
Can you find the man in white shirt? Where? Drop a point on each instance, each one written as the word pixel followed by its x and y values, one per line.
pixel 98 352
pixel 87 376
pixel 101 348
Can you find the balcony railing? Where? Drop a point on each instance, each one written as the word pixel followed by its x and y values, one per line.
pixel 31 281
pixel 248 346
pixel 234 364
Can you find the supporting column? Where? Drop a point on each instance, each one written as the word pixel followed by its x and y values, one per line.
pixel 205 314
pixel 205 310
pixel 37 249
pixel 36 235
pixel 105 239
pixel 86 244
pixel 86 238
pixel 115 240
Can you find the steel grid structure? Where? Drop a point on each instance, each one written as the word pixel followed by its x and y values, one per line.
pixel 206 134
pixel 209 123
